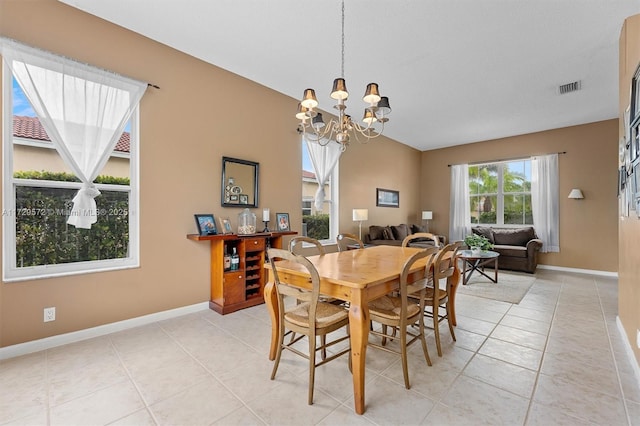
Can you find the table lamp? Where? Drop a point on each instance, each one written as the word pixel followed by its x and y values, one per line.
pixel 360 215
pixel 427 215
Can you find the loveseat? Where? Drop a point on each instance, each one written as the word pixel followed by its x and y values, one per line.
pixel 518 247
pixel 393 236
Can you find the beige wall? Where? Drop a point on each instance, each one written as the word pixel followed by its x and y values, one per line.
pixel 629 227
pixel 588 228
pixel 180 170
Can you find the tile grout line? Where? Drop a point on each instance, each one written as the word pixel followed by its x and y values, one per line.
pixel 47 381
pixel 544 351
pixel 615 361
pixel 132 381
pixel 197 361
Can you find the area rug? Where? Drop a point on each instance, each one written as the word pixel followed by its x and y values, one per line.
pixel 511 286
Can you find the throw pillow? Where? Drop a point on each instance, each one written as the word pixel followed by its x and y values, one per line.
pixel 387 234
pixel 375 232
pixel 400 232
pixel 485 232
pixel 417 228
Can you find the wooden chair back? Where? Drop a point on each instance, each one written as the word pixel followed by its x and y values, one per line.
pixel 417 235
pixel 295 244
pixel 285 290
pixel 344 240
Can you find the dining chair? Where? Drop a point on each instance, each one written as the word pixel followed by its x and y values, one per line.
pixel 295 244
pixel 397 312
pixel 311 317
pixel 345 240
pixel 437 296
pixel 421 235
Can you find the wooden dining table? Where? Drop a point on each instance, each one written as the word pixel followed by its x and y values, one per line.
pixel 357 277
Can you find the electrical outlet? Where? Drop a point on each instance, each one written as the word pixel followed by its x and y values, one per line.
pixel 49 314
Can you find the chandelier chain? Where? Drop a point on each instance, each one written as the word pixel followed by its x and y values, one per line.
pixel 344 128
pixel 342 68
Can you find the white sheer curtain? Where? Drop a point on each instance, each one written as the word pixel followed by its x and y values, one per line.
pixel 83 109
pixel 545 201
pixel 323 159
pixel 460 207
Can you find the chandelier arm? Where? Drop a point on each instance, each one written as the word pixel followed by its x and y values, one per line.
pixel 366 131
pixel 317 136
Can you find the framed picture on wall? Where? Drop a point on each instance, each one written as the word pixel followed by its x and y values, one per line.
pixel 635 95
pixel 387 198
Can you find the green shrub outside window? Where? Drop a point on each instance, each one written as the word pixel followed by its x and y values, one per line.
pixel 43 236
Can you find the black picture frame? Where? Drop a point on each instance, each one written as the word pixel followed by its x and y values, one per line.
pixel 282 222
pixel 206 224
pixel 634 143
pixel 239 177
pixel 635 95
pixel 387 198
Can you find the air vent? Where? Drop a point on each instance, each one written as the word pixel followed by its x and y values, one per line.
pixel 570 87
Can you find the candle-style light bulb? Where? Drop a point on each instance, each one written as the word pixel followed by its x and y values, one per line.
pixel 265 219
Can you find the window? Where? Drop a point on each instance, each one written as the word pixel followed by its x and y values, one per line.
pixel 38 189
pixel 306 206
pixel 319 224
pixel 500 193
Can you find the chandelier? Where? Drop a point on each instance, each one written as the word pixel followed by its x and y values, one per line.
pixel 341 130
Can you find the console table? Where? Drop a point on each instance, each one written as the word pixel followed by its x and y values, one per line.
pixel 232 290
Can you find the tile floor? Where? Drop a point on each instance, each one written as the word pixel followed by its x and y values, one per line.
pixel 555 358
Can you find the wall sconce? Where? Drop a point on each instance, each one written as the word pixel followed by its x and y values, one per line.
pixel 360 215
pixel 427 215
pixel 576 194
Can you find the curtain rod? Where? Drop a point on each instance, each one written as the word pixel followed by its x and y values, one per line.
pixel 505 159
pixel 47 52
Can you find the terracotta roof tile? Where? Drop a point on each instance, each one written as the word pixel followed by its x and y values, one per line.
pixel 30 128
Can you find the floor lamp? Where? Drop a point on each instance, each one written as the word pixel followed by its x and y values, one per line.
pixel 360 215
pixel 427 215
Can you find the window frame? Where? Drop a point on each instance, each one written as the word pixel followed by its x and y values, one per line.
pixel 500 194
pixel 334 219
pixel 10 271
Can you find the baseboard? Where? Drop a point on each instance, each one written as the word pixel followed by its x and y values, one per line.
pixel 629 350
pixel 101 330
pixel 580 271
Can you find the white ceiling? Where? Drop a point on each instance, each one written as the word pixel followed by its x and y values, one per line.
pixel 455 71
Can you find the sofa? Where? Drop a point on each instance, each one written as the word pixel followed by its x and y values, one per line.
pixel 518 247
pixel 393 236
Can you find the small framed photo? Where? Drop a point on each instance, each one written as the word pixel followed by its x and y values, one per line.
pixel 225 225
pixel 282 220
pixel 387 198
pixel 206 224
pixel 244 199
pixel 233 198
